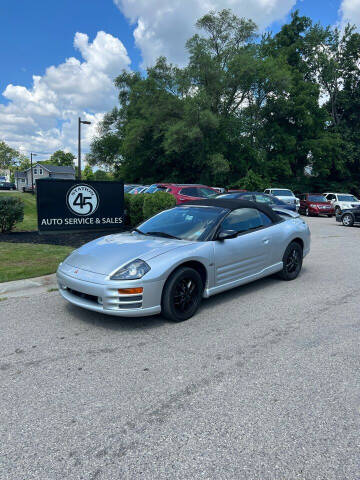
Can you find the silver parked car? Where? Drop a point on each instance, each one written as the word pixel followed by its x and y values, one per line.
pixel 174 259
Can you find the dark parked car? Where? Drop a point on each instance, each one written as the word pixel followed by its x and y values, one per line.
pixel 315 204
pixel 349 216
pixel 260 197
pixel 7 186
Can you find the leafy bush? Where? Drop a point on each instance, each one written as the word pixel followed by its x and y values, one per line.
pixel 136 203
pixel 11 212
pixel 140 207
pixel 157 202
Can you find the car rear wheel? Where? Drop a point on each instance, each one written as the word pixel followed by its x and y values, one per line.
pixel 182 294
pixel 347 220
pixel 292 262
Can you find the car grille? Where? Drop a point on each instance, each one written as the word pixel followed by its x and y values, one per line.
pixel 112 300
pixel 91 298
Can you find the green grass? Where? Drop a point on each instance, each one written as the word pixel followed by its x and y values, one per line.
pixel 26 260
pixel 30 214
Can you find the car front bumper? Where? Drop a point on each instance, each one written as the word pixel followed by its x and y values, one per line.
pixel 103 296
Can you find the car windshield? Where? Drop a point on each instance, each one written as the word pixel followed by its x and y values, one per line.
pixel 347 198
pixel 228 195
pixel 155 188
pixel 183 222
pixel 316 198
pixel 283 193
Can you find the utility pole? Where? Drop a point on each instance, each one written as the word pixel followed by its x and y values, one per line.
pixel 79 144
pixel 32 173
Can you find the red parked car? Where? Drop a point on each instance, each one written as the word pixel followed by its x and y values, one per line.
pixel 315 204
pixel 184 193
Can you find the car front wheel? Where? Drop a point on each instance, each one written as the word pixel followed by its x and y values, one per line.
pixel 182 294
pixel 292 262
pixel 348 220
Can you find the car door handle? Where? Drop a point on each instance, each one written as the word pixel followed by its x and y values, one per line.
pixel 266 241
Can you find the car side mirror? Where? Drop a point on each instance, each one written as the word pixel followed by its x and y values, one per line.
pixel 226 234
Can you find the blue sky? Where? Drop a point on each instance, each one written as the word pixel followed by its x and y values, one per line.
pixel 38 34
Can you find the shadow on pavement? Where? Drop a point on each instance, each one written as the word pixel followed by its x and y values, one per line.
pixel 149 323
pixel 112 322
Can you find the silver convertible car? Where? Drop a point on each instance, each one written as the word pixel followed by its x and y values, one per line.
pixel 174 259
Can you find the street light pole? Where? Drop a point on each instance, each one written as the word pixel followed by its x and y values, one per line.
pixel 79 144
pixel 32 173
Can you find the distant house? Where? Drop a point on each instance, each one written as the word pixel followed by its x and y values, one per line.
pixel 23 179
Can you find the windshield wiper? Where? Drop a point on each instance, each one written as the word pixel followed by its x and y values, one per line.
pixel 162 234
pixel 139 231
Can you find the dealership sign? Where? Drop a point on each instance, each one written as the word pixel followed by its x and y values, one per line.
pixel 68 205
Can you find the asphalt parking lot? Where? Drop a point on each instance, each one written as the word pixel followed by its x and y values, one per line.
pixel 263 383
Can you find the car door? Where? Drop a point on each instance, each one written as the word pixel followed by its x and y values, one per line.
pixel 331 198
pixel 302 203
pixel 186 194
pixel 248 253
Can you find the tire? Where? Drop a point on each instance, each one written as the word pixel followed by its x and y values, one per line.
pixel 182 294
pixel 347 220
pixel 330 216
pixel 292 262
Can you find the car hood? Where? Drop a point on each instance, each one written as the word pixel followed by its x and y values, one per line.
pixel 106 254
pixel 326 204
pixel 286 199
pixel 346 202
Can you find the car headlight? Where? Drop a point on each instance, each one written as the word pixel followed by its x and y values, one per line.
pixel 132 271
pixel 312 205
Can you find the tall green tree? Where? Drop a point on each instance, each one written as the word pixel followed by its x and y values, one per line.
pixel 61 158
pixel 8 155
pixel 282 109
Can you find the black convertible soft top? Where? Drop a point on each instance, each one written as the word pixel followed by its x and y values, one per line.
pixel 234 204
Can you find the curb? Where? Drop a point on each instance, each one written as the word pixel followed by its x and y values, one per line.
pixel 28 286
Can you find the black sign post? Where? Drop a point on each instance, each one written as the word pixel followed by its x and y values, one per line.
pixel 73 205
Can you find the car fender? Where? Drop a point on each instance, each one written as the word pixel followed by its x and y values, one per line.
pixel 344 212
pixel 165 264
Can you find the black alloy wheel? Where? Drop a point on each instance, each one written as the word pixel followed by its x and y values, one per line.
pixel 347 220
pixel 292 262
pixel 182 294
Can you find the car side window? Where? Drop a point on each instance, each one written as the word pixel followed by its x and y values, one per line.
pixel 266 221
pixel 245 219
pixel 189 192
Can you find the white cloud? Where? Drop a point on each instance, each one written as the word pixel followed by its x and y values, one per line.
pixel 44 117
pixel 163 26
pixel 350 12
